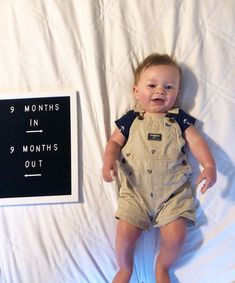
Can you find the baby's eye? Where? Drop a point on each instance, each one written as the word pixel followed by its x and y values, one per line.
pixel 168 86
pixel 151 85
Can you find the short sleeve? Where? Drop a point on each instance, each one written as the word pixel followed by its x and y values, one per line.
pixel 125 122
pixel 185 120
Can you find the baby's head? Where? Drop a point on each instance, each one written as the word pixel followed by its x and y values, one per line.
pixel 157 83
pixel 154 59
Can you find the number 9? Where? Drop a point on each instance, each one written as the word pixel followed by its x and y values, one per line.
pixel 12 149
pixel 12 109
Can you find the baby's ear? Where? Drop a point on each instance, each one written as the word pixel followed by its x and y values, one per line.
pixel 135 91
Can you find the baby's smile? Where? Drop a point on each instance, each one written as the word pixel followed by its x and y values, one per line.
pixel 158 100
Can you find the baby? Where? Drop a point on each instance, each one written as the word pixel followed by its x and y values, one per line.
pixel 155 190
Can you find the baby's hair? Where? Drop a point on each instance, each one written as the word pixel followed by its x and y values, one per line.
pixel 153 60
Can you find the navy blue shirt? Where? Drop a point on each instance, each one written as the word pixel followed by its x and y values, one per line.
pixel 124 123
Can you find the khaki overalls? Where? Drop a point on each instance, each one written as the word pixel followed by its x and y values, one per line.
pixel 155 187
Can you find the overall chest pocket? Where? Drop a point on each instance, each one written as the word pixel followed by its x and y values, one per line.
pixel 158 140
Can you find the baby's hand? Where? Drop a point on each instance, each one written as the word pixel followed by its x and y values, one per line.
pixel 109 171
pixel 209 175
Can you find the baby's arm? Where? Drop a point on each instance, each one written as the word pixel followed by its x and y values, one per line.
pixel 111 153
pixel 200 149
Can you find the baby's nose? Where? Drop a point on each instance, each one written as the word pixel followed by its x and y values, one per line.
pixel 160 90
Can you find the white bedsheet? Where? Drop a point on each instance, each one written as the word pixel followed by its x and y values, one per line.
pixel 92 46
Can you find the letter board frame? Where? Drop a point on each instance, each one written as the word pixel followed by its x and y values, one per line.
pixel 39 148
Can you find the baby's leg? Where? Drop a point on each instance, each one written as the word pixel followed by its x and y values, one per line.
pixel 126 237
pixel 172 239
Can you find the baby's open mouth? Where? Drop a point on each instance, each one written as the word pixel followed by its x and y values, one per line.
pixel 157 100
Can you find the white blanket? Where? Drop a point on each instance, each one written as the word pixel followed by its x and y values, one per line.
pixel 92 46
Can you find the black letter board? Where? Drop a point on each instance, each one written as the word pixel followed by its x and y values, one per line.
pixel 36 149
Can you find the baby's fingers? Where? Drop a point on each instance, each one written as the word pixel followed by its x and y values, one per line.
pixel 109 174
pixel 209 178
pixel 200 178
pixel 205 187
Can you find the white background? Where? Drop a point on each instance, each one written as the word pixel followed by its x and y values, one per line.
pixel 93 46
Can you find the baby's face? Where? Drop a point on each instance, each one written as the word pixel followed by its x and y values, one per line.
pixel 158 88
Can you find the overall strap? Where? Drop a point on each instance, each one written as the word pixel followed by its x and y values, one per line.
pixel 174 110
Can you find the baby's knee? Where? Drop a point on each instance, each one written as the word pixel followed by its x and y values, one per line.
pixel 175 242
pixel 178 242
